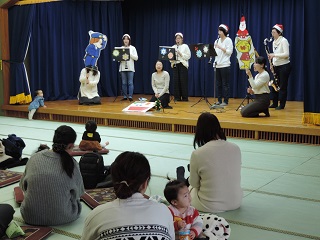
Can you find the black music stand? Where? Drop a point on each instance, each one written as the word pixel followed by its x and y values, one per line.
pixel 248 97
pixel 120 54
pixel 167 53
pixel 201 51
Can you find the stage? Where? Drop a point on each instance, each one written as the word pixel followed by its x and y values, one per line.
pixel 283 125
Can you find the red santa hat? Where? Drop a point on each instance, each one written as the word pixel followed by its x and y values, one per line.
pixel 225 27
pixel 242 19
pixel 279 27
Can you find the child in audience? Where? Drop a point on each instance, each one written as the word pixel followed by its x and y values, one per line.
pixel 37 102
pixel 184 215
pixel 91 140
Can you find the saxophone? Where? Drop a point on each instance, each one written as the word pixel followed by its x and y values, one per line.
pixel 272 82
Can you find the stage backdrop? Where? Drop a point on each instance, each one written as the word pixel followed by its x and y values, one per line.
pixel 154 23
pixel 58 40
pixel 59 37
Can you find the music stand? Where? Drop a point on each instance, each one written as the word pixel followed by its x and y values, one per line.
pixel 167 53
pixel 120 54
pixel 201 51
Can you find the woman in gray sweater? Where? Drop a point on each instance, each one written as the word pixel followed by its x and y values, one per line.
pixel 52 183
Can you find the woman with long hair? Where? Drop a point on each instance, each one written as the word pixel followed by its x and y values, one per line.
pixel 52 183
pixel 215 168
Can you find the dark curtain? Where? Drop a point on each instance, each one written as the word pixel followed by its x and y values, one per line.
pixel 58 41
pixel 154 23
pixel 20 21
pixel 311 54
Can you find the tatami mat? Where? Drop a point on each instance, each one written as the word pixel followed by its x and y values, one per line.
pixel 280 181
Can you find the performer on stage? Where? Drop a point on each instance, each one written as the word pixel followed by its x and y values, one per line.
pixel 89 79
pixel 180 69
pixel 160 81
pixel 127 69
pixel 260 88
pixel 224 48
pixel 281 64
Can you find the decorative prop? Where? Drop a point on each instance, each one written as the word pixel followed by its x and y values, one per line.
pixel 167 53
pixel 201 50
pixel 97 42
pixel 157 105
pixel 121 54
pixel 244 46
pixel 215 227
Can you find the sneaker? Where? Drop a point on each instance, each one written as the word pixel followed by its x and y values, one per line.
pixel 217 103
pixel 168 107
pixel 124 99
pixel 224 104
pixel 279 108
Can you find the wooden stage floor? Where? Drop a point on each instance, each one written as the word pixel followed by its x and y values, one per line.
pixel 283 125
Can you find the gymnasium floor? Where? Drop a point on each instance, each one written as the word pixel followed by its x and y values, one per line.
pixel 281 181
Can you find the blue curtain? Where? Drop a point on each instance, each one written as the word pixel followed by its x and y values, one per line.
pixel 20 21
pixel 58 41
pixel 311 65
pixel 154 23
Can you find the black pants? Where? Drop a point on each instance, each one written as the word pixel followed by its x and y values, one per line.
pixel 282 73
pixel 222 84
pixel 165 99
pixel 180 77
pixel 259 105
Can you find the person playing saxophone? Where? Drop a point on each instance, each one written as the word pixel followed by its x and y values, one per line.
pixel 281 66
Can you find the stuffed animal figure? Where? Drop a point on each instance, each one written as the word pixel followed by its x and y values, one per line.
pixel 214 227
pixel 97 42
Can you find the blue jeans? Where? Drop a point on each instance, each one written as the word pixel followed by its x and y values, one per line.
pixel 127 83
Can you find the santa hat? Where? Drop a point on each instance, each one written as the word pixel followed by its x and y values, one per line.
pixel 225 27
pixel 179 34
pixel 242 19
pixel 126 35
pixel 279 27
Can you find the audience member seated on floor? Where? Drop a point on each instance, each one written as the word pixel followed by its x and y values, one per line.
pixel 52 183
pixel 184 215
pixel 160 81
pixel 131 214
pixel 91 140
pixel 215 168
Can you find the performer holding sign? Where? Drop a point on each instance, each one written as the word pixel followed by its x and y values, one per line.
pixel 260 88
pixel 127 69
pixel 90 76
